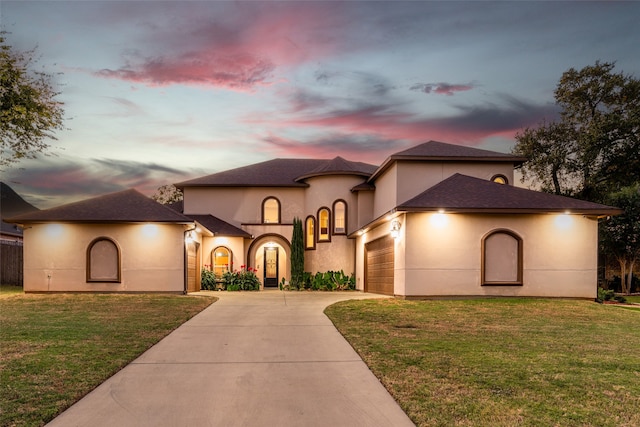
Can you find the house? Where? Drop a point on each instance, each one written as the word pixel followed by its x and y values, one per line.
pixel 434 220
pixel 11 204
pixel 120 242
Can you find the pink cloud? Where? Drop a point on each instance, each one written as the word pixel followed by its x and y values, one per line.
pixel 392 121
pixel 239 52
pixel 238 72
pixel 442 88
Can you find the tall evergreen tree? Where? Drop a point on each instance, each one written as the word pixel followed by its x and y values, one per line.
pixel 297 254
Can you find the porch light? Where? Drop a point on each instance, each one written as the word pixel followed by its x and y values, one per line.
pixel 395 228
pixel 189 237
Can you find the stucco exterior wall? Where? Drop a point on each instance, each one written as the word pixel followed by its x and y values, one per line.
pixel 386 194
pixel 152 257
pixel 239 205
pixel 331 256
pixel 416 177
pixel 443 254
pixel 364 208
pixel 406 179
pixel 234 244
pixel 323 191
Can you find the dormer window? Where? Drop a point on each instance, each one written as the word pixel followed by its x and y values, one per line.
pixel 271 211
pixel 500 179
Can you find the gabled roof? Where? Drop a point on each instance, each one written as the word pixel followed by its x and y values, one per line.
pixel 219 227
pixel 462 193
pixel 280 173
pixel 442 152
pixel 124 207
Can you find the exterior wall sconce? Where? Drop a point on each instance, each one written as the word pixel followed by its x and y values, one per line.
pixel 189 238
pixel 395 228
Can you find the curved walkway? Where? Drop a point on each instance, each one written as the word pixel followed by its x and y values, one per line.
pixel 267 358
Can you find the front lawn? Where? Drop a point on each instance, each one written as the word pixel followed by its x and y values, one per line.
pixel 54 349
pixel 501 362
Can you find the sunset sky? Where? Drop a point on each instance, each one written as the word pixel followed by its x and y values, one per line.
pixel 160 92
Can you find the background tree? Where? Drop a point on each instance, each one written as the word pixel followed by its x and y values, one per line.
pixel 594 147
pixel 297 254
pixel 29 112
pixel 167 194
pixel 620 235
pixel 593 152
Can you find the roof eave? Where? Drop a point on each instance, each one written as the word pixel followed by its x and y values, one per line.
pixel 181 186
pixel 103 221
pixel 588 212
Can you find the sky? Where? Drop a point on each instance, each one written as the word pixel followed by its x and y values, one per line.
pixel 160 92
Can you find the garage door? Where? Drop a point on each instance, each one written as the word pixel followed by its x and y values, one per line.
pixel 379 266
pixel 193 281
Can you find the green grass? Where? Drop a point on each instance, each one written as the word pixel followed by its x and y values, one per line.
pixel 633 298
pixel 10 290
pixel 54 349
pixel 501 362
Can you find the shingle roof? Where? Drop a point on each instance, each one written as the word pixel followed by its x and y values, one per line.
pixel 461 193
pixel 280 173
pixel 219 227
pixel 124 206
pixel 340 166
pixel 443 152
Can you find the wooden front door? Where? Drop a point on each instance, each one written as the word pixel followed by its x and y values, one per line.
pixel 270 267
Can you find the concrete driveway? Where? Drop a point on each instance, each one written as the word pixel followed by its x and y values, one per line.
pixel 267 358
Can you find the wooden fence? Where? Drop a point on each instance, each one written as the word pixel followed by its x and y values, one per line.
pixel 11 268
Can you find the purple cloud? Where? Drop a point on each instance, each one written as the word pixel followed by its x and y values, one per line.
pixel 442 88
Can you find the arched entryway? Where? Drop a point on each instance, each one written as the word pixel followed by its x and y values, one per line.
pixel 269 254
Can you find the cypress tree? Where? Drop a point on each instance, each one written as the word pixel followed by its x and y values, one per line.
pixel 297 254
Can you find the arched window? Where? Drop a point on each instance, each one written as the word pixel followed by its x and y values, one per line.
pixel 324 222
pixel 310 233
pixel 271 211
pixel 500 179
pixel 339 217
pixel 221 261
pixel 502 258
pixel 103 261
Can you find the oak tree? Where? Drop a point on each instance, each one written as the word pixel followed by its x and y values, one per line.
pixel 593 149
pixel 29 110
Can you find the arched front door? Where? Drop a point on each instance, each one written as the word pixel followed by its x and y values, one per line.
pixel 271 258
pixel 269 254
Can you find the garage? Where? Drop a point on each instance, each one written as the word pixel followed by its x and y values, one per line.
pixel 193 270
pixel 379 266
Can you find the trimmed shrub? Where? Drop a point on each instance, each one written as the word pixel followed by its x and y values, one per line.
pixel 208 280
